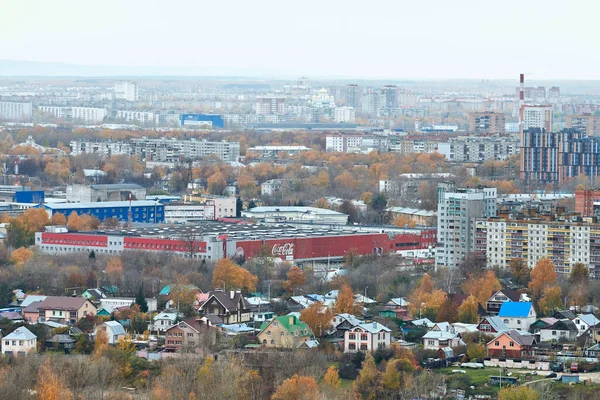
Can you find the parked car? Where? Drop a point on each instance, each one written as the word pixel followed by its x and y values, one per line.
pixel 574 367
pixel 551 375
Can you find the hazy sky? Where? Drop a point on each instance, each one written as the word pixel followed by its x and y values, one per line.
pixel 349 38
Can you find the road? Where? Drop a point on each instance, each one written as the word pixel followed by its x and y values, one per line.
pixel 594 376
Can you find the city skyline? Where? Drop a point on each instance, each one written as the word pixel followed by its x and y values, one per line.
pixel 387 40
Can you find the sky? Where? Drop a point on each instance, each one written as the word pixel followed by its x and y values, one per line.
pixel 399 39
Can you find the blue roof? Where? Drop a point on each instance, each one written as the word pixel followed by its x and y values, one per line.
pixel 515 309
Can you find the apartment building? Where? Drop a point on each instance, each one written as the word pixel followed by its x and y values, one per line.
pixel 57 111
pixel 344 115
pixel 585 200
pixel 16 110
pixel 102 148
pixel 540 117
pixel 171 150
pixel 355 143
pixel 565 242
pixel 587 124
pixel 480 149
pixel 270 105
pixel 89 114
pixel 553 157
pixel 126 91
pixel 485 123
pixel 457 211
pixel 145 117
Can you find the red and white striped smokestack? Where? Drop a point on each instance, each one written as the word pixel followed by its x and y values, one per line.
pixel 522 87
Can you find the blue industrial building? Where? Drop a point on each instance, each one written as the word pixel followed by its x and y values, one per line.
pixel 141 210
pixel 29 196
pixel 215 120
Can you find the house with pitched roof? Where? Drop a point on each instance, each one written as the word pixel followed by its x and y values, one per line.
pixel 65 310
pixel 231 307
pixel 517 315
pixel 367 336
pixel 434 340
pixel 561 331
pixel 190 335
pixel 286 331
pixel 19 342
pixel 584 322
pixel 492 325
pixel 163 321
pixel 501 296
pixel 114 331
pixel 512 344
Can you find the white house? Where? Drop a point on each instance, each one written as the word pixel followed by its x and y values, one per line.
pixel 517 315
pixel 163 321
pixel 434 340
pixel 560 331
pixel 367 337
pixel 584 321
pixel 110 303
pixel 114 331
pixel 19 343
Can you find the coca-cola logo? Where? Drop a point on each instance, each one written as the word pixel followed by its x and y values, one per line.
pixel 283 250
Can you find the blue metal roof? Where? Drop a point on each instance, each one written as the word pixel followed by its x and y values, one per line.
pixel 515 309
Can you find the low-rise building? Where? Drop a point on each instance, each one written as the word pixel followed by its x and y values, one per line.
pixel 286 331
pixel 65 310
pixel 499 297
pixel 434 340
pixel 110 192
pixel 19 342
pixel 230 306
pixel 163 321
pixel 297 213
pixel 114 331
pixel 189 335
pixel 518 315
pixel 512 344
pixel 368 336
pixel 583 322
pixel 560 331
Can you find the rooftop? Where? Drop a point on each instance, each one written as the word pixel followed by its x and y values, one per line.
pixel 514 309
pixel 292 209
pixel 21 333
pixel 102 204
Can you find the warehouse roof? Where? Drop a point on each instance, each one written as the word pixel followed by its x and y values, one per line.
pixel 102 204
pixel 117 186
pixel 292 209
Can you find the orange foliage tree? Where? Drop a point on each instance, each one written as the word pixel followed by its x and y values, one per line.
pixel 542 276
pixel 551 300
pixel 229 275
pixel 297 388
pixel 425 299
pixel 21 255
pixel 75 222
pixel 482 287
pixel 345 300
pixel 332 377
pixel 59 219
pixel 114 270
pixel 317 317
pixel 295 279
pixel 35 219
pixel 50 386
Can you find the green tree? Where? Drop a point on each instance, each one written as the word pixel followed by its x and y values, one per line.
pixel 140 300
pixel 367 383
pixel 518 393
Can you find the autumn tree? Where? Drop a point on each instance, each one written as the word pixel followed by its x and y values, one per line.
pixel 345 300
pixel 297 388
pixel 551 300
pixel 366 385
pixel 59 219
pixel 50 385
pixel 579 284
pixel 332 377
pixel 391 378
pixel 542 276
pixel 482 287
pixel 183 296
pixel 519 271
pixel 35 219
pixel 100 343
pixel 295 279
pixel 21 255
pixel 317 317
pixel 228 275
pixel 114 270
pixel 75 222
pixel 404 221
pixel 447 312
pixel 425 300
pixel 468 311
pixel 217 183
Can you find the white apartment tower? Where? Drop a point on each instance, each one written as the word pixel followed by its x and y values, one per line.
pixel 457 211
pixel 126 91
pixel 16 110
pixel 270 105
pixel 537 117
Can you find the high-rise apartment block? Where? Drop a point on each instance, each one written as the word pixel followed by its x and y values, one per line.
pixel 126 91
pixel 565 242
pixel 344 115
pixel 270 105
pixel 553 157
pixel 457 211
pixel 480 149
pixel 88 114
pixel 484 123
pixel 15 110
pixel 540 117
pixel 352 96
pixel 355 143
pixel 587 124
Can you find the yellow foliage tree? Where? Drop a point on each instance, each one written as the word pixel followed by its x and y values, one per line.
pixel 35 219
pixel 114 270
pixel 518 393
pixel 551 300
pixel 50 386
pixel 345 300
pixel 59 219
pixel 317 317
pixel 482 287
pixel 100 343
pixel 404 220
pixel 391 377
pixel 322 203
pixel 75 222
pixel 297 388
pixel 332 377
pixel 425 299
pixel 467 312
pixel 295 279
pixel 542 276
pixel 366 385
pixel 21 255
pixel 231 276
